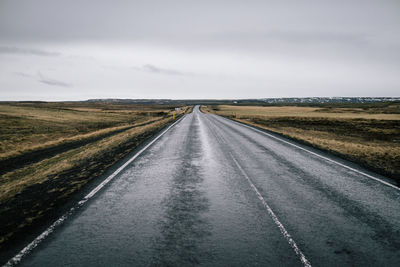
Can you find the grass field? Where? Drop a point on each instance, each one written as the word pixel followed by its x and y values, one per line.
pixel 30 126
pixel 49 151
pixel 368 135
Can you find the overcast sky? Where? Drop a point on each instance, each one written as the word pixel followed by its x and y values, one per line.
pixel 76 50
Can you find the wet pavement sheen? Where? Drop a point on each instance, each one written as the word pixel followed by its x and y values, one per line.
pixel 185 202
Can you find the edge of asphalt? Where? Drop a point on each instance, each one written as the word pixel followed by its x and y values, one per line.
pixel 15 254
pixel 323 154
pixel 337 159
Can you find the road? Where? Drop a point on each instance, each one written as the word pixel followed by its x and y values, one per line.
pixel 213 192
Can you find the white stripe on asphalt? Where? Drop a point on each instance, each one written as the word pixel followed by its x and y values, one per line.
pixel 282 229
pixel 315 154
pixel 25 251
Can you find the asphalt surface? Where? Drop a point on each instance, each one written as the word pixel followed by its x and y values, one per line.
pixel 212 192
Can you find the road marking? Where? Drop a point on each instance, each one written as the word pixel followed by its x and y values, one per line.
pixel 25 251
pixel 282 229
pixel 315 154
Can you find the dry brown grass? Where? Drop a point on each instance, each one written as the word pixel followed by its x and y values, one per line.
pixel 27 128
pixel 15 181
pixel 49 151
pixel 315 112
pixel 370 136
pixel 30 127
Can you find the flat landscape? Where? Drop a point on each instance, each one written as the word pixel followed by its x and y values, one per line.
pixel 368 134
pixel 199 133
pixel 49 151
pixel 211 191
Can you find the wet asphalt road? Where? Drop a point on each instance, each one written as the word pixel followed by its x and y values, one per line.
pixel 212 192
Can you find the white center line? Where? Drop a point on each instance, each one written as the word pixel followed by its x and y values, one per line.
pixel 282 229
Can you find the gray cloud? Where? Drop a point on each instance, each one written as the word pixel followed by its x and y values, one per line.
pixel 40 78
pixel 55 82
pixel 230 48
pixel 157 70
pixel 27 51
pixel 43 79
pixel 22 74
pixel 52 81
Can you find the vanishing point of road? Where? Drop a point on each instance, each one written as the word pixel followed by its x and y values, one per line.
pixel 213 192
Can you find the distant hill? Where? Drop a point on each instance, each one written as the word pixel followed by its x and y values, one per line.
pixel 298 101
pixel 262 101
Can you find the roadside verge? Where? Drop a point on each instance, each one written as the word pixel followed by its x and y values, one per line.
pixel 54 181
pixel 323 137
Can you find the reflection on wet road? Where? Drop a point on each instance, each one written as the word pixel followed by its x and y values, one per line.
pixel 212 192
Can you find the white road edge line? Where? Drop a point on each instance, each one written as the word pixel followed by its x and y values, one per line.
pixel 26 250
pixel 282 229
pixel 320 156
